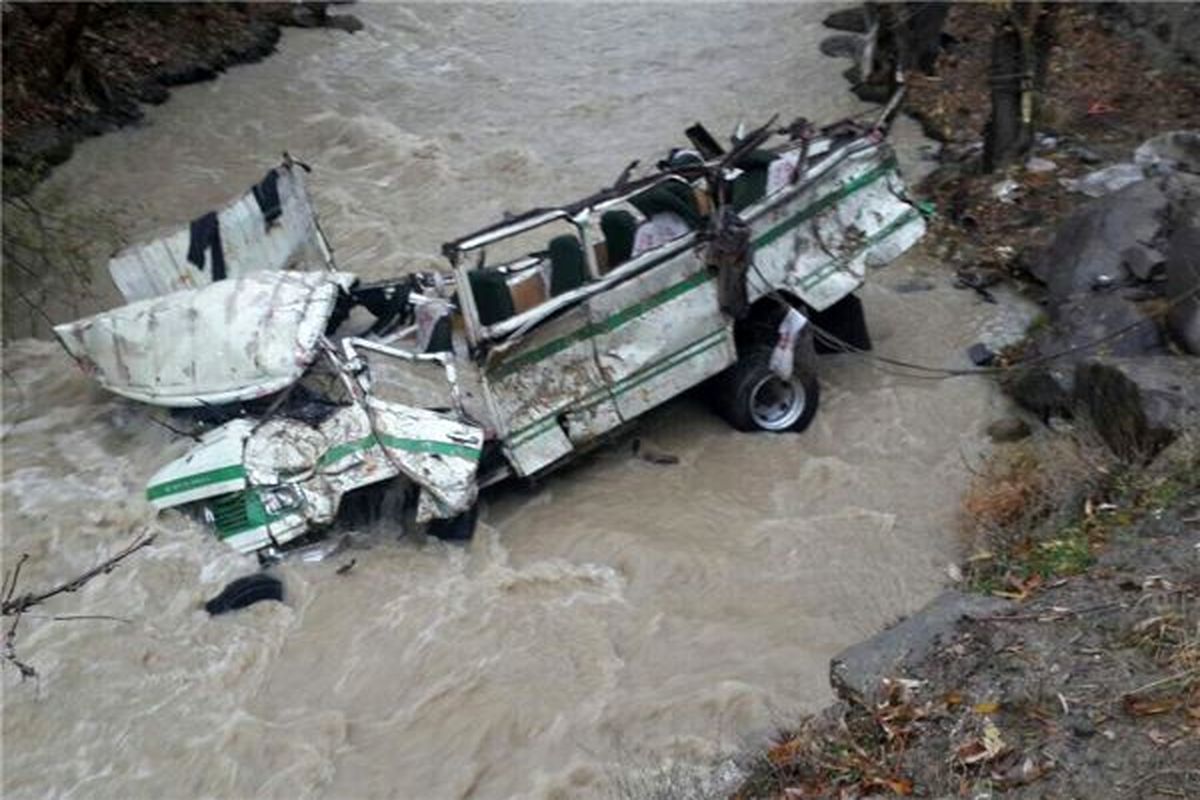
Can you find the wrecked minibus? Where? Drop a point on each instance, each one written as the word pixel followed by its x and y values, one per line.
pixel 549 331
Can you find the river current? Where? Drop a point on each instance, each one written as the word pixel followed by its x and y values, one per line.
pixel 622 623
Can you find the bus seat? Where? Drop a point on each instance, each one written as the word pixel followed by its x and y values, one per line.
pixel 619 228
pixel 493 300
pixel 568 267
pixel 751 186
pixel 673 196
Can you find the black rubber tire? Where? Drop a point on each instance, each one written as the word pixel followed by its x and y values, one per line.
pixel 737 388
pixel 455 529
pixel 244 592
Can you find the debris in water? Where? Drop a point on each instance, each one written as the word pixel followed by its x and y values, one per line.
pixel 246 591
pixel 652 455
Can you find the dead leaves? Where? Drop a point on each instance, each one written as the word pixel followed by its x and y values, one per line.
pixel 861 756
pixel 1147 707
pixel 981 749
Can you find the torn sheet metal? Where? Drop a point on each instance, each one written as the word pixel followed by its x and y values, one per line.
pixel 230 341
pixel 817 239
pixel 265 484
pixel 271 227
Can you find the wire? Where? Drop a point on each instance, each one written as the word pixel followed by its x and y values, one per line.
pixel 943 373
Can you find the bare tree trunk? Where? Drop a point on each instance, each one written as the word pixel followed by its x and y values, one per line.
pixel 1020 51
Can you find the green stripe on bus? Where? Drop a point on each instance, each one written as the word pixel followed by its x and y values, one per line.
pixel 827 201
pixel 340 451
pixel 199 479
pixel 607 325
pixel 813 278
pixel 595 397
pixel 618 319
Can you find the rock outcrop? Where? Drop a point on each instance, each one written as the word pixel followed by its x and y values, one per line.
pixel 1122 279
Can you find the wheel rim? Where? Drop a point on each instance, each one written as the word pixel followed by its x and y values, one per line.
pixel 776 404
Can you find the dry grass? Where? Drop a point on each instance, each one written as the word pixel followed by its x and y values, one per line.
pixel 1032 511
pixel 858 754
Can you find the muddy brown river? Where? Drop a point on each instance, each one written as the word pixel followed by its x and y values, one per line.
pixel 621 624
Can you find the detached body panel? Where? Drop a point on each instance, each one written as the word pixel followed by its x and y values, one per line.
pixel 231 341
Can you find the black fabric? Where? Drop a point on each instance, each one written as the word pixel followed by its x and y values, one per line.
pixel 620 230
pixel 672 196
pixel 568 268
pixel 751 185
pixel 266 192
pixel 846 320
pixel 493 300
pixel 441 339
pixel 206 234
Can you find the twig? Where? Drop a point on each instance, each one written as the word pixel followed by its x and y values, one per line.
pixel 1052 615
pixel 1187 673
pixel 71 617
pixel 10 651
pixel 16 606
pixel 10 580
pixel 1162 773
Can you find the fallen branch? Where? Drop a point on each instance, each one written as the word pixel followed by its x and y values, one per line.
pixel 16 606
pixel 19 604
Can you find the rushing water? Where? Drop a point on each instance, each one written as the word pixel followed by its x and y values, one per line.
pixel 620 618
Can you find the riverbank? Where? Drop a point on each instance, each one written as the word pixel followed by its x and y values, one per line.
pixel 81 69
pixel 1066 664
pixel 1065 660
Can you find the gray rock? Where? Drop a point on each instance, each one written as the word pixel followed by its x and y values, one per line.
pixel 914 286
pixel 1009 429
pixel 1108 323
pixel 1168 152
pixel 1089 244
pixel 1036 164
pixel 851 20
pixel 1183 262
pixel 344 22
pixel 1105 181
pixel 1183 278
pixel 981 355
pixel 844 45
pixel 1139 405
pixel 1142 262
pixel 1081 726
pixel 1084 153
pixel 1048 390
pixel 855 673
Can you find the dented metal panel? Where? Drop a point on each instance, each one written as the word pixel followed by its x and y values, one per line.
pixel 293 240
pixel 817 239
pixel 264 484
pixel 230 341
pixel 661 332
pixel 533 383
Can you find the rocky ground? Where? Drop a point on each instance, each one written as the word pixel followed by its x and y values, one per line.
pixel 1066 661
pixel 1066 665
pixel 73 70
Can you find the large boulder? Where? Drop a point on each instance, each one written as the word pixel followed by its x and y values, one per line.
pixel 1168 152
pixel 1139 405
pixel 1112 323
pixel 856 673
pixel 1183 288
pixel 1183 266
pixel 1092 246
